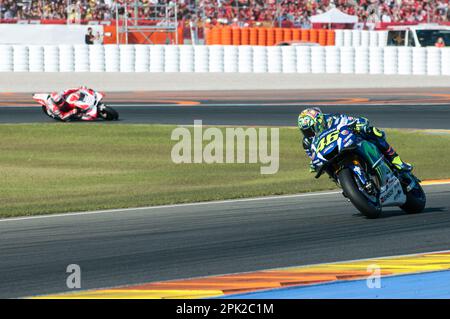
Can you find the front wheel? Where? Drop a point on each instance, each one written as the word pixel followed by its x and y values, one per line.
pixel 108 114
pixel 367 207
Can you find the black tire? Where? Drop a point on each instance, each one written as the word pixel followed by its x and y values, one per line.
pixel 109 114
pixel 348 184
pixel 415 200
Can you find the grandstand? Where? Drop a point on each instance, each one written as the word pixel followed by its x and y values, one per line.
pixel 287 13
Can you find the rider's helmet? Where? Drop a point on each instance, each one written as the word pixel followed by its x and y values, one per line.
pixel 58 99
pixel 311 121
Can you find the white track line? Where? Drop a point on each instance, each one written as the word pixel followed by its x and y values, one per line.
pixel 122 210
pixel 240 200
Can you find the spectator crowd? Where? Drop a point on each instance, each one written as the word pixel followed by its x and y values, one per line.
pixel 239 12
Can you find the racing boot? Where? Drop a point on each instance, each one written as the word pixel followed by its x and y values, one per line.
pixel 400 165
pixel 396 161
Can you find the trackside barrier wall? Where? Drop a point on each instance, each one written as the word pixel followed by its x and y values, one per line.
pixel 360 38
pixel 226 35
pixel 228 58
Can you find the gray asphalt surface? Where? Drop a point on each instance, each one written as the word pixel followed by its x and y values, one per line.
pixel 248 112
pixel 197 240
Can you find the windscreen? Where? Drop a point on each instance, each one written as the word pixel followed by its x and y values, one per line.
pixel 396 38
pixel 430 37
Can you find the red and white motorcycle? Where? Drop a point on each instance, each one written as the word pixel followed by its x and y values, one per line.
pixel 88 102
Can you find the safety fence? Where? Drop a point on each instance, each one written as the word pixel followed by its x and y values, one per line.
pixel 216 58
pixel 273 36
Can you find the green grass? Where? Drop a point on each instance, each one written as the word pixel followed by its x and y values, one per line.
pixel 50 168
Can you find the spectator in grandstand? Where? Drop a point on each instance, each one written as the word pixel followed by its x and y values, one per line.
pixel 247 12
pixel 9 10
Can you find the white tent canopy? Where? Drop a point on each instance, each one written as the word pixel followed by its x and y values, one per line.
pixel 334 16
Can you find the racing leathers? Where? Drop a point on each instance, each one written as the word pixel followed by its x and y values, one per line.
pixel 73 102
pixel 360 125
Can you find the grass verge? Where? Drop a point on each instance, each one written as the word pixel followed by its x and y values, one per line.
pixel 54 168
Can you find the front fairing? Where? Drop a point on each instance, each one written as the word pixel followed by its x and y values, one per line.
pixel 89 101
pixel 331 142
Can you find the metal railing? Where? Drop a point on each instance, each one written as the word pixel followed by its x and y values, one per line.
pixel 158 18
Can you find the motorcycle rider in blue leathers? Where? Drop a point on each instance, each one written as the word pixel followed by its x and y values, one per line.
pixel 312 122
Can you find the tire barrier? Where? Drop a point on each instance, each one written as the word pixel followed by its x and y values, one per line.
pixel 260 57
pixel 360 38
pixel 216 59
pixel 187 58
pixel 347 60
pixel 445 61
pixel 376 60
pixel 6 58
pixel 433 61
pixel 230 59
pixel 274 60
pixel 405 60
pixel 318 61
pixel 36 58
pixel 333 60
pixel 81 54
pixel 156 55
pixel 362 60
pixel 419 61
pixel 303 55
pixel 171 59
pixel 142 62
pixel 127 58
pixel 51 58
pixel 21 58
pixel 227 58
pixel 201 59
pixel 390 59
pixel 112 58
pixel 97 58
pixel 245 59
pixel 67 58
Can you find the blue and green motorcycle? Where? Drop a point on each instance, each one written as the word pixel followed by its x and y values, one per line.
pixel 367 179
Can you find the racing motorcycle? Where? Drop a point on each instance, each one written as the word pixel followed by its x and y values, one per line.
pixel 91 100
pixel 366 177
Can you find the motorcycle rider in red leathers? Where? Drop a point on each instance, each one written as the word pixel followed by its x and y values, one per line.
pixel 73 102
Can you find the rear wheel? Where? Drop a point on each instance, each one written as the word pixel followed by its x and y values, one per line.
pixel 109 114
pixel 415 200
pixel 370 209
